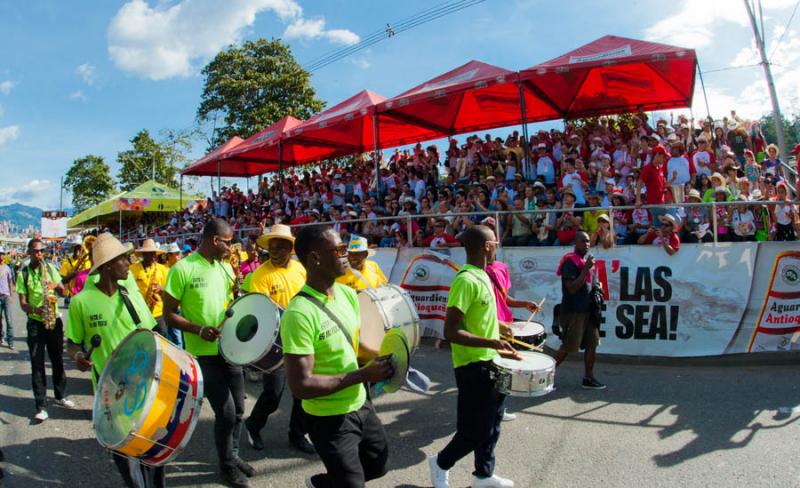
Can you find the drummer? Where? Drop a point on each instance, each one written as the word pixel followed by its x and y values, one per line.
pixel 101 310
pixel 361 273
pixel 201 285
pixel 150 278
pixel 472 327
pixel 280 278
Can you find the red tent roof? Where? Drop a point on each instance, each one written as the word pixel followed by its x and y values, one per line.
pixel 207 165
pixel 613 75
pixel 474 96
pixel 259 153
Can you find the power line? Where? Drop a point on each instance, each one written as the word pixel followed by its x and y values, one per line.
pixel 729 68
pixel 392 30
pixel 785 29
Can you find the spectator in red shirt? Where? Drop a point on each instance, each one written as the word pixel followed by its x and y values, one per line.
pixel 440 238
pixel 653 179
pixel 666 236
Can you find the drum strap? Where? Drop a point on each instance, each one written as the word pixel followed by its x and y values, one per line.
pixel 126 299
pixel 330 314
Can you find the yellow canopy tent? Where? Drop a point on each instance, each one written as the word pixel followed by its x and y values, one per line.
pixel 150 196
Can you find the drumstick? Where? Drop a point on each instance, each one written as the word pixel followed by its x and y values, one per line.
pixel 524 344
pixel 539 307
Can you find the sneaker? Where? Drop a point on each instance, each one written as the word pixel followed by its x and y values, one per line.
pixel 3 343
pixel 439 476
pixel 254 437
pixel 508 417
pixel 593 384
pixel 245 468
pixel 234 477
pixel 10 345
pixel 41 415
pixel 302 445
pixel 310 481
pixel 493 482
pixel 66 403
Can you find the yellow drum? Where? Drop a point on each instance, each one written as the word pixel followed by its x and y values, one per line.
pixel 148 398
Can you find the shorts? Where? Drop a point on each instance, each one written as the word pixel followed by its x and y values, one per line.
pixel 578 332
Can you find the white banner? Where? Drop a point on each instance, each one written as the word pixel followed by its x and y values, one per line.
pixel 54 228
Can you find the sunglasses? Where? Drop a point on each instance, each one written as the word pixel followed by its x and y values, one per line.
pixel 340 251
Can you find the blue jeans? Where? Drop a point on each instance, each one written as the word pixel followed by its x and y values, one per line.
pixel 5 311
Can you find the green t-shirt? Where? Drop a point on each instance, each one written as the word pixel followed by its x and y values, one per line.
pixel 93 312
pixel 472 293
pixel 204 290
pixel 29 284
pixel 305 330
pixel 129 283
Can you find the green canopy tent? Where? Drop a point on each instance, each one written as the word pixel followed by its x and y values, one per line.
pixel 150 196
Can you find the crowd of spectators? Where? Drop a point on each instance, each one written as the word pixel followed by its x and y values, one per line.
pixel 602 164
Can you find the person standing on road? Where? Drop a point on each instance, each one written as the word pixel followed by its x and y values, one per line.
pixel 100 309
pixel 150 276
pixel 577 327
pixel 6 294
pixel 201 285
pixel 472 327
pixel 32 295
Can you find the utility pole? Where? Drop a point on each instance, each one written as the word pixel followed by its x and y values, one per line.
pixel 773 95
pixel 61 194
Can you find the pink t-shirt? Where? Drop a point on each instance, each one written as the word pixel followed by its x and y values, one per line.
pixel 498 274
pixel 79 282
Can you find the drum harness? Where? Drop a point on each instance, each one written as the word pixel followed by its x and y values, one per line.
pixel 126 299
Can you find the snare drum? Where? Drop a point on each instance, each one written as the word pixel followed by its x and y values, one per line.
pixel 384 308
pixel 533 376
pixel 532 333
pixel 148 399
pixel 251 333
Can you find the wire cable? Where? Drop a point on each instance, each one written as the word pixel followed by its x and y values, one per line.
pixel 785 30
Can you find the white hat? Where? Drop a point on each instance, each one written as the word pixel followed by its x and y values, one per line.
pixel 359 244
pixel 172 248
pixel 149 245
pixel 75 240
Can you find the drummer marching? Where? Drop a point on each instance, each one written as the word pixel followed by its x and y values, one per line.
pixel 151 276
pixel 280 278
pixel 361 272
pixel 101 310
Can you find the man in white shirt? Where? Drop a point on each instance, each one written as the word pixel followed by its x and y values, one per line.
pixel 545 166
pixel 574 181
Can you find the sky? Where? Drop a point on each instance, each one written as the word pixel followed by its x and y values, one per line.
pixel 80 78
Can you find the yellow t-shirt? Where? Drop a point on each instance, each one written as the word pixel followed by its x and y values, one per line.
pixel 69 265
pixel 371 277
pixel 280 284
pixel 155 273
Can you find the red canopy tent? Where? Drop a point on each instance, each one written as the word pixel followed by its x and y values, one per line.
pixel 613 75
pixel 260 152
pixel 472 97
pixel 209 165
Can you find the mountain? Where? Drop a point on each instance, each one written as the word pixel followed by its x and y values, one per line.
pixel 21 216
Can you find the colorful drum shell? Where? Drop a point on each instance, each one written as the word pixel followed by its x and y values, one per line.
pixel 172 402
pixel 532 333
pixel 383 308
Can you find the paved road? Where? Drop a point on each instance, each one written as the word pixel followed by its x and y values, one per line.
pixel 687 425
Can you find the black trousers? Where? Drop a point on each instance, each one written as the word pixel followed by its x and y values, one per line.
pixel 137 474
pixel 223 385
pixel 480 412
pixel 161 327
pixel 352 447
pixel 41 340
pixel 274 384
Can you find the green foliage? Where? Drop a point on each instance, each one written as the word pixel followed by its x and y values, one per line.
pixel 253 86
pixel 791 130
pixel 89 180
pixel 137 163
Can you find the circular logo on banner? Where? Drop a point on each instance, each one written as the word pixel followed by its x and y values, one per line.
pixel 791 275
pixel 528 264
pixel 421 273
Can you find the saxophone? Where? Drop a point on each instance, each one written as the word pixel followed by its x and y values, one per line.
pixel 235 261
pixel 151 297
pixel 50 300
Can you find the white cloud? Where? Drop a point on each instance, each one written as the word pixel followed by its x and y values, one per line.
pixel 692 23
pixel 8 134
pixel 6 86
pixel 35 192
pixel 311 29
pixel 87 72
pixel 170 39
pixel 78 95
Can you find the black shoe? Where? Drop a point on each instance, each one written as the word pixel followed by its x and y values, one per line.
pixel 302 445
pixel 234 477
pixel 245 468
pixel 593 384
pixel 254 437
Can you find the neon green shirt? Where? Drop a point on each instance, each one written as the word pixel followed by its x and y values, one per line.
pixel 129 283
pixel 93 312
pixel 204 290
pixel 471 293
pixel 305 330
pixel 29 284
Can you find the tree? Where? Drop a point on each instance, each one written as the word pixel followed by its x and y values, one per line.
pixel 791 131
pixel 253 86
pixel 89 180
pixel 149 159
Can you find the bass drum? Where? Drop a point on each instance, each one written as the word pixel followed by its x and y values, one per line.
pixel 148 399
pixel 251 333
pixel 383 308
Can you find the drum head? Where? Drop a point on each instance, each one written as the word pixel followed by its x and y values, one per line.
pixel 396 344
pixel 531 361
pixel 525 329
pixel 124 388
pixel 249 333
pixel 373 322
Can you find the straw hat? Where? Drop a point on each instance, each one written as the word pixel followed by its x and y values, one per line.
pixel 359 244
pixel 604 218
pixel 105 249
pixel 149 245
pixel 277 231
pixel 669 218
pixel 693 194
